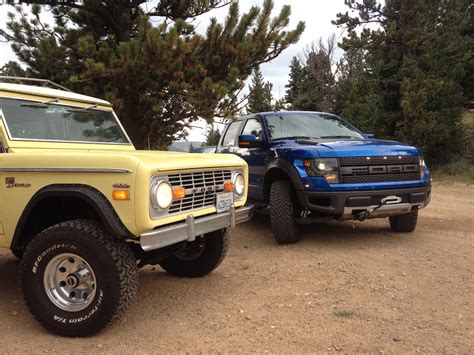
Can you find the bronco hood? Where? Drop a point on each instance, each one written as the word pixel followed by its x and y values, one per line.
pixel 153 161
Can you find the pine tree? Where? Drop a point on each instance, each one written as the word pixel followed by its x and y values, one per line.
pixel 410 83
pixel 279 105
pixel 212 136
pixel 260 94
pixel 312 86
pixel 295 84
pixel 12 69
pixel 159 78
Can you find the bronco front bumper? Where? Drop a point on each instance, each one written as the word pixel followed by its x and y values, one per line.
pixel 193 227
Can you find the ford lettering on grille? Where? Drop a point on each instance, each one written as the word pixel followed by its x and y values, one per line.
pixel 379 169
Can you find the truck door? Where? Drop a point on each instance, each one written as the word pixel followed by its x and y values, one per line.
pixel 256 158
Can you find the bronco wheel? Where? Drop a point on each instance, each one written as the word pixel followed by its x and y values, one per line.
pixel 76 278
pixel 282 212
pixel 203 255
pixel 404 223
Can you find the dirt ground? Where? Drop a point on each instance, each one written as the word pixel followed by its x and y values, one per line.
pixel 345 287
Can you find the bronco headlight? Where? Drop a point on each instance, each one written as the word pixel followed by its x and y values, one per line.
pixel 161 194
pixel 325 167
pixel 239 183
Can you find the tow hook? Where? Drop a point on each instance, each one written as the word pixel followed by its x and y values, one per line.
pixel 389 200
pixel 362 216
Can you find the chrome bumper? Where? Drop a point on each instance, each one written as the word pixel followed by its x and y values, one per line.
pixel 193 227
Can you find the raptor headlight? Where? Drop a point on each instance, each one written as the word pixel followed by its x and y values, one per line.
pixel 325 167
pixel 422 167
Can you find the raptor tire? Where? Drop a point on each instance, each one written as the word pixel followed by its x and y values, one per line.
pixel 282 212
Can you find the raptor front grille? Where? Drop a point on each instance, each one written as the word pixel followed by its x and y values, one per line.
pixel 387 160
pixel 201 188
pixel 358 170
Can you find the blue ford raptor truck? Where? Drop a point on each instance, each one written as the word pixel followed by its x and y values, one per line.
pixel 313 166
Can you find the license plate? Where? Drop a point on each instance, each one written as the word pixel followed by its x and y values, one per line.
pixel 224 201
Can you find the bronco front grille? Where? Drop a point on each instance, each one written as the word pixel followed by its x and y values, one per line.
pixel 201 188
pixel 356 170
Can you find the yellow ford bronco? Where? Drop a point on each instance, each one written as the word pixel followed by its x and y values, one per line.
pixel 83 209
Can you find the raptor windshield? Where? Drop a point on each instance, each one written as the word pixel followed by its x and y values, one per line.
pixel 309 125
pixel 47 121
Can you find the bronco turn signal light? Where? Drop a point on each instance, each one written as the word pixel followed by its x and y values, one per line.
pixel 229 186
pixel 122 195
pixel 179 193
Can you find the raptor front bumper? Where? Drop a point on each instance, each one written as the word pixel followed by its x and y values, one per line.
pixel 347 204
pixel 193 227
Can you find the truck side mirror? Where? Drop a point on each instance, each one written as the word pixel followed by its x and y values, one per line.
pixel 369 135
pixel 249 141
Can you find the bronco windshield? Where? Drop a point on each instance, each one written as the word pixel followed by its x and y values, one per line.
pixel 46 121
pixel 308 125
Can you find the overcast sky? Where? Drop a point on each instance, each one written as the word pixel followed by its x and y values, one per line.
pixel 317 14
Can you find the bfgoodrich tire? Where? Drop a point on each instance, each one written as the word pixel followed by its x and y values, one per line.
pixel 404 223
pixel 203 255
pixel 282 215
pixel 76 278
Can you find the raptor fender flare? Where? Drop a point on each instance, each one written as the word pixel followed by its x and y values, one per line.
pixel 88 194
pixel 285 167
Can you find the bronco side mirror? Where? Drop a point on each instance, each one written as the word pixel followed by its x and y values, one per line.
pixel 249 141
pixel 369 135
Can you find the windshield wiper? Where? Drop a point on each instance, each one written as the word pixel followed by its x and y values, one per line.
pixel 82 109
pixel 294 137
pixel 41 104
pixel 335 137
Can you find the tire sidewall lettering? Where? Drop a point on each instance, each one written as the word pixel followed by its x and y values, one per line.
pixel 46 252
pixel 83 318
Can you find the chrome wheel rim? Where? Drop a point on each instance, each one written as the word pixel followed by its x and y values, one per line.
pixel 70 282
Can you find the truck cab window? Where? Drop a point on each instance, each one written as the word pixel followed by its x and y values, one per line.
pixel 231 134
pixel 254 127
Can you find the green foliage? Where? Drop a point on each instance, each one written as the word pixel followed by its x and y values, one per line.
pixel 407 78
pixel 457 170
pixel 279 105
pixel 294 87
pixel 260 95
pixel 312 85
pixel 212 136
pixel 160 75
pixel 12 69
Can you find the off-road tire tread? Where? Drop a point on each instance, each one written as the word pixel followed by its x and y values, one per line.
pixel 205 264
pixel 121 254
pixel 282 204
pixel 404 223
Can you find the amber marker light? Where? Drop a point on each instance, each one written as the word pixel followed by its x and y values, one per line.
pixel 121 195
pixel 332 178
pixel 179 192
pixel 229 186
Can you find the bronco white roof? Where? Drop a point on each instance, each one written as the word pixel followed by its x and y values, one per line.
pixel 49 92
